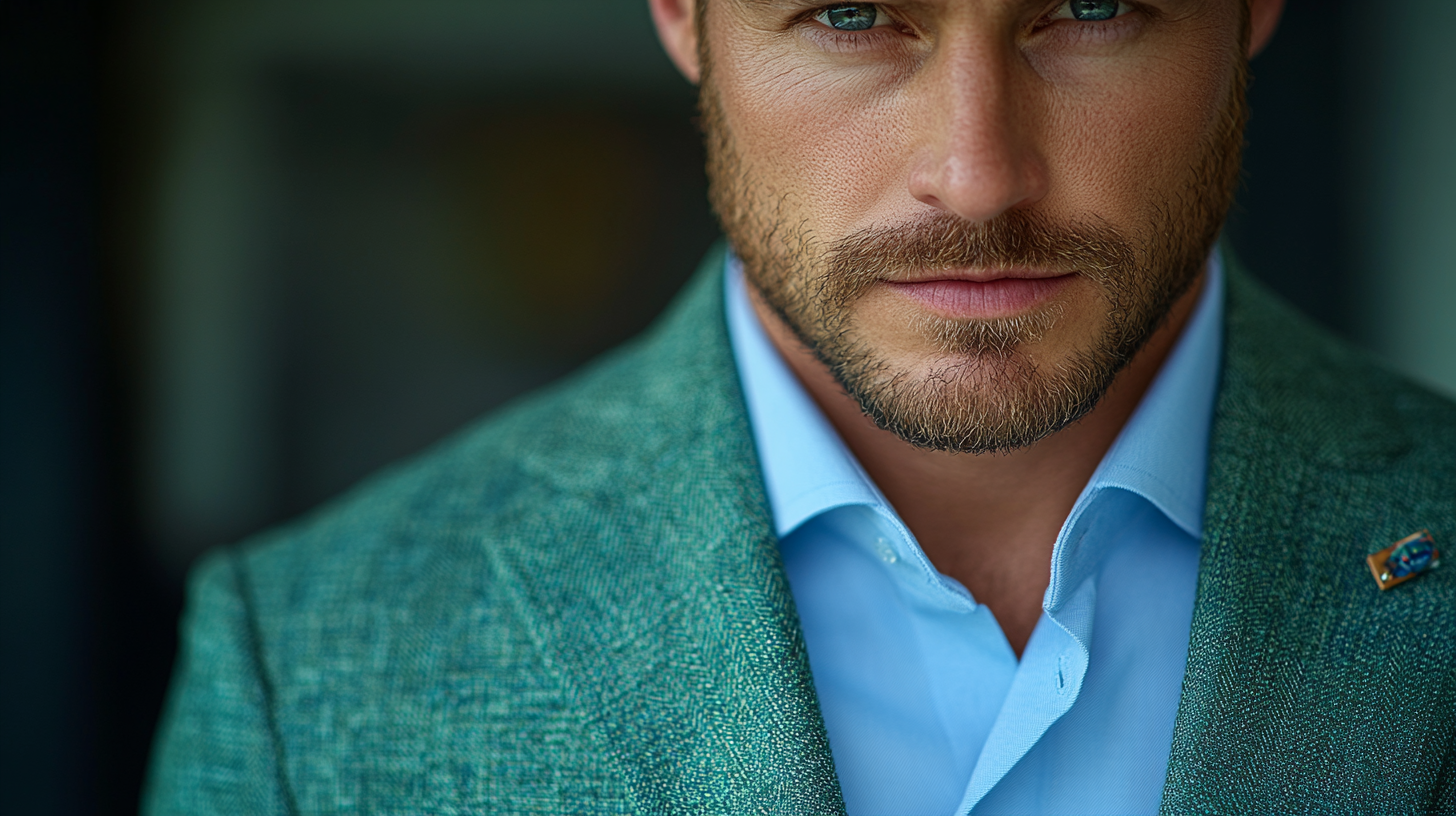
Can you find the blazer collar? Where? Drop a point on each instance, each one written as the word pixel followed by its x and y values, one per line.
pixel 1300 423
pixel 653 581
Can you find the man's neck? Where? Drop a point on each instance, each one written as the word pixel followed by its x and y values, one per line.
pixel 989 521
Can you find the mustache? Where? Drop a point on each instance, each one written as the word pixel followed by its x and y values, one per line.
pixel 1016 238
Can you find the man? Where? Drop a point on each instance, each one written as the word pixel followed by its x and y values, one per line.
pixel 972 478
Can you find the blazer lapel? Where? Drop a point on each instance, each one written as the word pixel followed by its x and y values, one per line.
pixel 1296 695
pixel 652 580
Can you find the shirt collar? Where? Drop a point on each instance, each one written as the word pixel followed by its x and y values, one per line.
pixel 1161 453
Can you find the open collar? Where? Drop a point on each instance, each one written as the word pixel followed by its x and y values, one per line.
pixel 1160 455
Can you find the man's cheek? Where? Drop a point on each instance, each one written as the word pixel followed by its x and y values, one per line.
pixel 831 143
pixel 1118 158
pixel 851 176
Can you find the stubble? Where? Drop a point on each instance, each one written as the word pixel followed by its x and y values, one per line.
pixel 982 392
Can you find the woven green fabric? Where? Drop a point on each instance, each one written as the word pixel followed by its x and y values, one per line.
pixel 1309 690
pixel 578 607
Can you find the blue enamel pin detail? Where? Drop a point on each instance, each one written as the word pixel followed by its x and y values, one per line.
pixel 1404 560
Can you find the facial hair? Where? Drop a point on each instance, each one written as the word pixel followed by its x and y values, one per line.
pixel 983 393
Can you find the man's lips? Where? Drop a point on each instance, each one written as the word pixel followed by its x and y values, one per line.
pixel 985 296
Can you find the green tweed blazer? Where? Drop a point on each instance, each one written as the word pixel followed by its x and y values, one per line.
pixel 577 606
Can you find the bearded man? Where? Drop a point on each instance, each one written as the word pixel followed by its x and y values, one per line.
pixel 970 476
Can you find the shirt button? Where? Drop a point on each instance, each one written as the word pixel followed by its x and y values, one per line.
pixel 887 553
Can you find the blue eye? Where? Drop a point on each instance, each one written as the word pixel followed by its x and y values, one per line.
pixel 1093 9
pixel 856 17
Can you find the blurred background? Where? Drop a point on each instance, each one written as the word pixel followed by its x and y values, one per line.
pixel 252 250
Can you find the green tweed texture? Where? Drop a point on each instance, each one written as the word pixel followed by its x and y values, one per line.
pixel 578 607
pixel 1308 690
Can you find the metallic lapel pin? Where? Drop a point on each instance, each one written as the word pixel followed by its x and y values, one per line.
pixel 1404 560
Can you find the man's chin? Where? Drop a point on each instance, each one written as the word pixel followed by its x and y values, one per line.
pixel 980 402
pixel 977 376
pixel 968 355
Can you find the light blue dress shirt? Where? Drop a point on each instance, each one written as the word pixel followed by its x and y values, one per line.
pixel 927 708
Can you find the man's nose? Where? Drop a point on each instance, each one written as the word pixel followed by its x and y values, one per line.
pixel 976 156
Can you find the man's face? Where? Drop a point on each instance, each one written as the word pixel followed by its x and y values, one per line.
pixel 974 212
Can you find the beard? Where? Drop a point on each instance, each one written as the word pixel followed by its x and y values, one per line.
pixel 979 391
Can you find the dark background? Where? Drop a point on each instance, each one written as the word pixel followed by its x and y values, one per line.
pixel 250 252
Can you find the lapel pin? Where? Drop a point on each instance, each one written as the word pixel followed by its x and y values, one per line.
pixel 1404 560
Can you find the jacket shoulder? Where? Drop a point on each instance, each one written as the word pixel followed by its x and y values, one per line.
pixel 569 608
pixel 602 436
pixel 1335 402
pixel 394 635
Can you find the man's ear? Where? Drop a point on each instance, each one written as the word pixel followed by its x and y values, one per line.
pixel 678 30
pixel 1263 19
